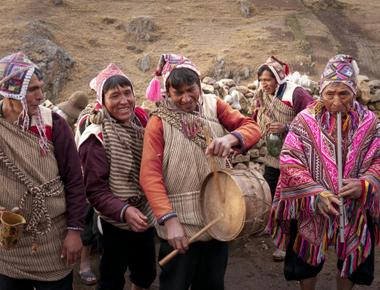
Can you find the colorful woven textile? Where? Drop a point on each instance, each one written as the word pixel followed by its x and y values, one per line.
pixel 340 69
pixel 16 71
pixel 166 64
pixel 308 167
pixel 279 69
pixel 98 82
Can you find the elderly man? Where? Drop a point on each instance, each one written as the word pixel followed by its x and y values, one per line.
pixel 305 217
pixel 41 174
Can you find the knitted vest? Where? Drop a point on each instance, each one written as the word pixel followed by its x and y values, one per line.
pixel 26 175
pixel 272 109
pixel 185 166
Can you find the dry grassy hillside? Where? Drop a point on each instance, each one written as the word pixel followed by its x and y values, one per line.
pixel 213 33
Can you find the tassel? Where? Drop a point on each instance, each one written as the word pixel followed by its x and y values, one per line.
pixel 153 92
pixel 286 69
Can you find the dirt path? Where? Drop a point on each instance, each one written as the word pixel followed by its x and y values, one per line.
pixel 250 267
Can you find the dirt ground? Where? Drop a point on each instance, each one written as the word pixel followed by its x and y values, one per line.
pixel 250 267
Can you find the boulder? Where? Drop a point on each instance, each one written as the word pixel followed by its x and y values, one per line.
pixel 246 8
pixel 240 158
pixel 57 2
pixel 208 81
pixel 143 28
pixel 207 89
pixel 227 82
pixel 143 63
pixel 374 85
pixel 223 90
pixel 363 78
pixel 364 93
pixel 254 153
pixel 253 86
pixel 376 96
pixel 240 166
pixel 55 63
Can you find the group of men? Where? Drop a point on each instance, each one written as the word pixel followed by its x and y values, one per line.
pixel 143 175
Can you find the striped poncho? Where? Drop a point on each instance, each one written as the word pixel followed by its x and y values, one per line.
pixel 308 167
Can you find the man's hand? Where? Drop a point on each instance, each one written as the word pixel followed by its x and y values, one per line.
pixel 222 146
pixel 176 235
pixel 326 204
pixel 352 189
pixel 136 219
pixel 72 246
pixel 277 127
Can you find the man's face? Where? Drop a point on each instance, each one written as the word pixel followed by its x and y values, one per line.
pixel 268 82
pixel 120 103
pixel 34 95
pixel 337 97
pixel 186 97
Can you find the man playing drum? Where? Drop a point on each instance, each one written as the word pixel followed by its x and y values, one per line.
pixel 40 173
pixel 305 215
pixel 174 165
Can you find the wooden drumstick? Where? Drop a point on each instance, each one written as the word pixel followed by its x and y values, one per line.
pixel 174 253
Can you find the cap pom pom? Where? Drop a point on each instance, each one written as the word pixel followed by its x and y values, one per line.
pixel 153 92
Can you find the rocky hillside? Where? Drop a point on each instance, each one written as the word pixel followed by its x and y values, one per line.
pixel 72 40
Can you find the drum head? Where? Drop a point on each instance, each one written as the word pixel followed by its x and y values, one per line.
pixel 227 200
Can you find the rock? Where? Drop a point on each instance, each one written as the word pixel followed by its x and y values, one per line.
pixel 93 42
pixel 261 159
pixel 377 106
pixel 143 28
pixel 208 81
pixel 232 102
pixel 108 20
pixel 263 151
pixel 134 49
pixel 54 62
pixel 245 105
pixel 223 90
pixel 364 93
pixel 57 2
pixel 227 82
pixel 253 86
pixel 221 70
pixel 243 89
pixel 256 166
pixel 376 96
pixel 374 85
pixel 143 63
pixel 246 8
pixel 240 158
pixel 121 26
pixel 249 95
pixel 260 144
pixel 245 73
pixel 362 78
pixel 254 153
pixel 240 166
pixel 208 89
